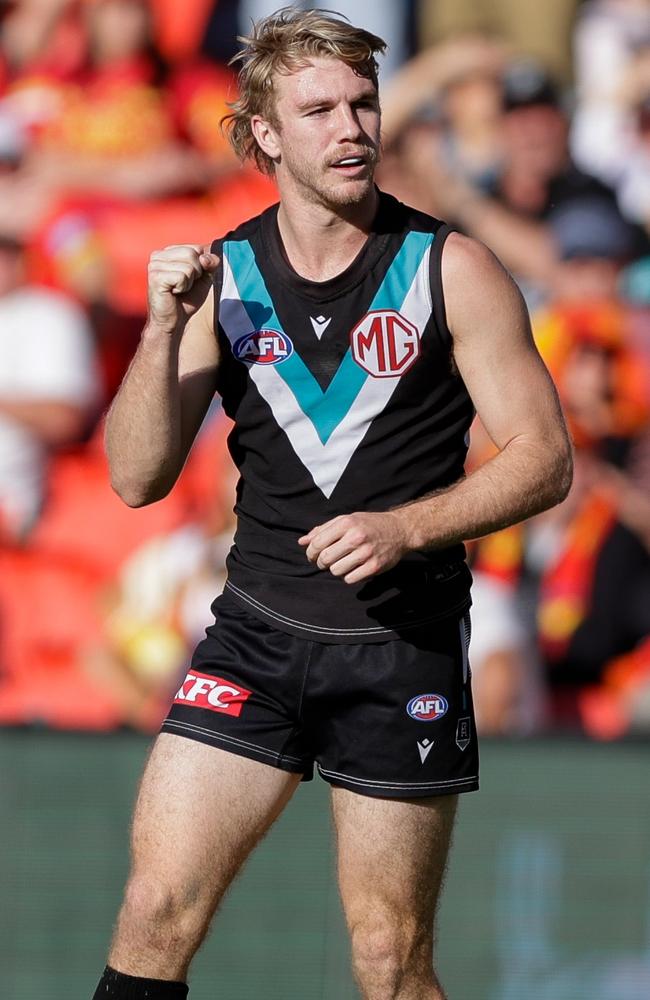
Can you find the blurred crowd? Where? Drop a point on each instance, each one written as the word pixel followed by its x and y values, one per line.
pixel 525 125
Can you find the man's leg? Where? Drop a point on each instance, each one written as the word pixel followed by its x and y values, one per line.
pixel 391 858
pixel 200 812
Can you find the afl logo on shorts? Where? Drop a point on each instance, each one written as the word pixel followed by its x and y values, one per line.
pixel 427 707
pixel 385 344
pixel 263 347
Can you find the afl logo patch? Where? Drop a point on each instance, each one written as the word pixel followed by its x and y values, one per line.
pixel 263 347
pixel 385 344
pixel 427 707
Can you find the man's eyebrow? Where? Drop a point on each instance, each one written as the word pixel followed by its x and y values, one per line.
pixel 313 102
pixel 325 101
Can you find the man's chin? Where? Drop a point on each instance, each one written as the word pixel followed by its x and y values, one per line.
pixel 351 192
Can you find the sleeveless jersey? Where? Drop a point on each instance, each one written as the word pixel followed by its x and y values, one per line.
pixel 345 398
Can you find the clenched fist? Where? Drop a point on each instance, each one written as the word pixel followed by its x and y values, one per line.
pixel 357 546
pixel 179 280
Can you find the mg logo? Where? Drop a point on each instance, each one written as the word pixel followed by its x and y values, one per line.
pixel 384 343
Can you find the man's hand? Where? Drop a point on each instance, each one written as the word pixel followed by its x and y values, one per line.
pixel 357 546
pixel 180 278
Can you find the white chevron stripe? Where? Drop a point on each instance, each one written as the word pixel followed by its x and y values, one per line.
pixel 326 462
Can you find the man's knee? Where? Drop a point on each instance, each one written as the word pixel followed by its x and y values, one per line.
pixel 390 949
pixel 160 915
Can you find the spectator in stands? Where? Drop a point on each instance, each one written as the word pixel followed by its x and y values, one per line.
pixel 537 173
pixel 48 388
pixel 578 580
pixel 609 34
pixel 456 87
pixel 124 146
pixel 116 131
pixel 122 124
pixel 633 178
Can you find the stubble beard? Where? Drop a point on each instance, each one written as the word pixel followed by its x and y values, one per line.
pixel 341 193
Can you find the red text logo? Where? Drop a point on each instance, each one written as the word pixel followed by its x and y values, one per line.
pixel 384 343
pixel 215 693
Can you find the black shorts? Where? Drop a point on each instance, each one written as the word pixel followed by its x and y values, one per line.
pixel 391 719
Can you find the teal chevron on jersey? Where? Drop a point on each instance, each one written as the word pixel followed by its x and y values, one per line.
pixel 401 274
pixel 325 408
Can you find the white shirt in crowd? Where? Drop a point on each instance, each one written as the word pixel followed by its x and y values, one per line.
pixel 46 353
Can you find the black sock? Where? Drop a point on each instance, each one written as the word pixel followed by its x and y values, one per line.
pixel 118 986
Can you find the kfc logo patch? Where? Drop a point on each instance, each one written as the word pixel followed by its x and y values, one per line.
pixel 385 344
pixel 214 693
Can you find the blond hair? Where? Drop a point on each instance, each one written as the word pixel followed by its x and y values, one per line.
pixel 282 43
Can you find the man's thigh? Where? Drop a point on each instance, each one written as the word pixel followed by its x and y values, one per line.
pixel 392 856
pixel 199 813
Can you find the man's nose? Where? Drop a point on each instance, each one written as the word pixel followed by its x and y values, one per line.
pixel 348 125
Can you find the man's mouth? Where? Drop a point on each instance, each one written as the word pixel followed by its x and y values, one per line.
pixel 349 164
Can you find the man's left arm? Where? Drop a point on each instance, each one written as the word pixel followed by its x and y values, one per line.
pixel 518 405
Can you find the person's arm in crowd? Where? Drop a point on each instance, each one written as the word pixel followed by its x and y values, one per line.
pixel 525 246
pixel 422 80
pixel 175 169
pixel 166 392
pixel 516 400
pixel 53 421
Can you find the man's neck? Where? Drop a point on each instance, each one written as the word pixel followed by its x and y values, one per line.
pixel 321 242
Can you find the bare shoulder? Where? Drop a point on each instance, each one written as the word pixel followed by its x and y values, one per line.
pixel 477 286
pixel 463 254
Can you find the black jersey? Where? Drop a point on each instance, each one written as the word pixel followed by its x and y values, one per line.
pixel 345 399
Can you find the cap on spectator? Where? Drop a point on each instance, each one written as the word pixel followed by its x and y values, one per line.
pixel 591 227
pixel 526 83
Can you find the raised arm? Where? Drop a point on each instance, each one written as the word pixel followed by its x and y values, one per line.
pixel 169 385
pixel 516 400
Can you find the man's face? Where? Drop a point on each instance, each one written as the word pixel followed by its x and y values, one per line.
pixel 326 137
pixel 536 139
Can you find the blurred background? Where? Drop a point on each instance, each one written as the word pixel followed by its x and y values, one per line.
pixel 525 125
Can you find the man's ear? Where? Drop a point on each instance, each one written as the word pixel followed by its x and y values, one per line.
pixel 266 136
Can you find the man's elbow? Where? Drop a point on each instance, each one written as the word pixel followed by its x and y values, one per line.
pixel 135 493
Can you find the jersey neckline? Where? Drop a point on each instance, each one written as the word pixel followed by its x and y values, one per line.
pixel 353 274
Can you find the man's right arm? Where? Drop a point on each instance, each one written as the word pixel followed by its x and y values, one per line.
pixel 166 392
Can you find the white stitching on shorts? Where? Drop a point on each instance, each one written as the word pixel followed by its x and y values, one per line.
pixel 325 630
pixel 386 784
pixel 233 739
pixel 306 626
